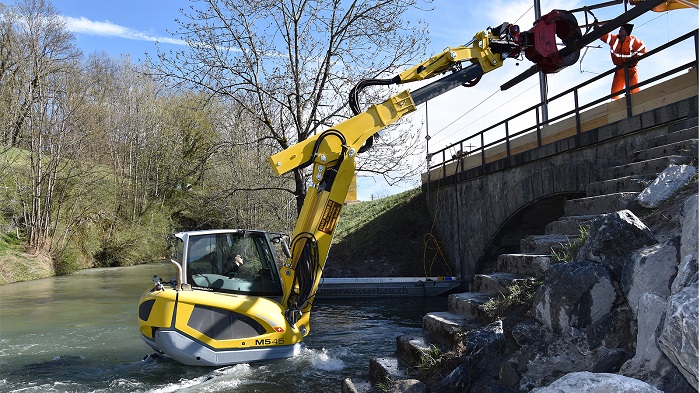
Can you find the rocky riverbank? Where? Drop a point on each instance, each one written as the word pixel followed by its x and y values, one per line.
pixel 620 315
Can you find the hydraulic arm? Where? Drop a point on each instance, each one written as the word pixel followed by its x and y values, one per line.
pixel 333 152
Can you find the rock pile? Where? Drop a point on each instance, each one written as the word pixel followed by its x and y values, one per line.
pixel 622 315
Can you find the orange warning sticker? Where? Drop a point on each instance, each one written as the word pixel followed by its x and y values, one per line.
pixel 329 217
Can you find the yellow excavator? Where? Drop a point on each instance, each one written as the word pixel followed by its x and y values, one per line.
pixel 230 301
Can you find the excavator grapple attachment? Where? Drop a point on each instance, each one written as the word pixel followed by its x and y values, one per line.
pixel 540 45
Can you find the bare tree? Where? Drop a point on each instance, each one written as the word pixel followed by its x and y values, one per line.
pixel 44 60
pixel 290 64
pixel 10 69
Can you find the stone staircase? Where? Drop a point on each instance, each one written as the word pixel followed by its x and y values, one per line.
pixel 466 311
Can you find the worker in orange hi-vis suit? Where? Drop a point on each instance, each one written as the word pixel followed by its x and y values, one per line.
pixel 624 48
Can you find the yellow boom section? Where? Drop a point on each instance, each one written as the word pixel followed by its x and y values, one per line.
pixel 477 52
pixel 334 150
pixel 356 130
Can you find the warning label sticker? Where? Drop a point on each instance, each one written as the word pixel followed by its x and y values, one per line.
pixel 329 217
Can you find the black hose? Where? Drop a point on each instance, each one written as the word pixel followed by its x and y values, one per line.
pixel 304 273
pixel 355 105
pixel 317 145
pixel 361 85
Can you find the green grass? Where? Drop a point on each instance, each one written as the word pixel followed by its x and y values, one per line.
pixel 385 237
pixel 569 250
pixel 355 217
pixel 519 294
pixel 9 241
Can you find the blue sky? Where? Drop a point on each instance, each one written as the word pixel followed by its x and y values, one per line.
pixel 133 27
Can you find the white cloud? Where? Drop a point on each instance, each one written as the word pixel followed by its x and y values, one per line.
pixel 106 28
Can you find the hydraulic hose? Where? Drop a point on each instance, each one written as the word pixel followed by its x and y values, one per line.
pixel 355 105
pixel 361 85
pixel 304 274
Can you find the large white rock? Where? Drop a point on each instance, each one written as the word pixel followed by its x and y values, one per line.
pixel 665 185
pixel 648 364
pixel 689 227
pixel 587 382
pixel 687 273
pixel 574 295
pixel 650 270
pixel 679 335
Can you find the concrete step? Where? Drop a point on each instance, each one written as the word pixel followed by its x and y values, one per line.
pixel 529 264
pixel 601 204
pixel 647 167
pixel 498 283
pixel 415 350
pixel 688 147
pixel 544 244
pixel 444 326
pixel 569 225
pixel 678 131
pixel 634 183
pixel 386 369
pixel 467 304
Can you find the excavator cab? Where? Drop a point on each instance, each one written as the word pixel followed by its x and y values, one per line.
pixel 223 307
pixel 237 262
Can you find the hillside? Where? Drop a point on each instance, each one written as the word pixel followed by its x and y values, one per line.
pixel 385 238
pixel 16 265
pixel 381 238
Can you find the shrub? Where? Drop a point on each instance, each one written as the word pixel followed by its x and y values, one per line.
pixel 68 261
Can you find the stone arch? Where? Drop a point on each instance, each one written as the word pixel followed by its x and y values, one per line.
pixel 473 213
pixel 530 219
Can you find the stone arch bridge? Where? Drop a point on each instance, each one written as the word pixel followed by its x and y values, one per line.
pixel 483 210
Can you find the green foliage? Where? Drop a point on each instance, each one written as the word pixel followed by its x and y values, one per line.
pixel 68 261
pixel 568 251
pixel 519 294
pixel 384 386
pixel 139 242
pixel 9 241
pixel 430 358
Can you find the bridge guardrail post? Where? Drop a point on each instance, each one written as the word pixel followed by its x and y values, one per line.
pixel 628 95
pixel 578 113
pixel 483 154
pixel 507 140
pixel 539 129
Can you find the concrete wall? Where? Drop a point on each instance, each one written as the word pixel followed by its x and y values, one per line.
pixel 470 213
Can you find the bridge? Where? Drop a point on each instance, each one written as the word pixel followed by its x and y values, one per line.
pixel 486 199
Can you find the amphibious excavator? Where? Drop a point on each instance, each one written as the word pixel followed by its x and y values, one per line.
pixel 230 301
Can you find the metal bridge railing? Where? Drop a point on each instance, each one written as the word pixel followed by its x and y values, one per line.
pixel 465 148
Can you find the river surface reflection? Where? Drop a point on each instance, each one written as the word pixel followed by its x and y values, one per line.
pixel 79 333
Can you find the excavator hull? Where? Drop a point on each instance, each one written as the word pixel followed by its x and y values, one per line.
pixel 202 328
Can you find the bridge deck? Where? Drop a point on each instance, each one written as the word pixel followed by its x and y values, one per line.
pixel 656 96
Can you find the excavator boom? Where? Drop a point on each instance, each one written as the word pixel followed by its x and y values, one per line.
pixel 333 152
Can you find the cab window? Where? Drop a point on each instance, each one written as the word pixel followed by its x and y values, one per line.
pixel 232 262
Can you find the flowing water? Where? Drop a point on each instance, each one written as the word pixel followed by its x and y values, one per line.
pixel 79 333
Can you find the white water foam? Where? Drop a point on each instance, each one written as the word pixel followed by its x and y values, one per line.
pixel 218 380
pixel 322 360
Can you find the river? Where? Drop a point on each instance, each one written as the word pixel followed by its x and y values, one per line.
pixel 79 333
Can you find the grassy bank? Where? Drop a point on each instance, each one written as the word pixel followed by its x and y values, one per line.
pixel 381 238
pixel 388 237
pixel 16 265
